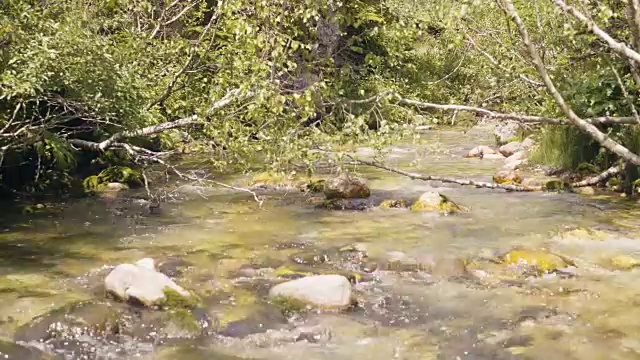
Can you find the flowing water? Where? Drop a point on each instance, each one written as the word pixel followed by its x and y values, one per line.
pixel 217 246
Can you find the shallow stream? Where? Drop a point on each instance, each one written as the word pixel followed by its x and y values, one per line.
pixel 220 245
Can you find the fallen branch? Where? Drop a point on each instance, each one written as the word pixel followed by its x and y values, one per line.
pixel 603 120
pixel 609 173
pixel 444 179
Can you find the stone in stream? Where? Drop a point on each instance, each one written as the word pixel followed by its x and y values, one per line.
pixel 323 291
pixel 585 190
pixel 480 151
pixel 346 187
pixel 510 148
pixel 540 260
pixel 141 283
pixel 431 201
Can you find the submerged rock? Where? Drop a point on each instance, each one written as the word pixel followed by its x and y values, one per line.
pixel 510 148
pixel 141 283
pixel 392 204
pixel 433 201
pixel 9 350
pixel 346 187
pixel 625 262
pixel 347 204
pixel 481 151
pixel 324 291
pixel 507 177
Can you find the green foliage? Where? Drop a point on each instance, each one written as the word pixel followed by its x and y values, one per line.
pixel 565 147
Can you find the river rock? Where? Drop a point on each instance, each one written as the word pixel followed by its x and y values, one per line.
pixel 510 148
pixel 625 262
pixel 324 291
pixel 480 151
pixel 433 201
pixel 507 177
pixel 506 131
pixel 140 282
pixel 346 187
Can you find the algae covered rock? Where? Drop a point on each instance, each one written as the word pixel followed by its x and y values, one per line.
pixel 625 262
pixel 586 190
pixel 507 177
pixel 541 260
pixel 433 201
pixel 141 283
pixel 323 291
pixel 346 187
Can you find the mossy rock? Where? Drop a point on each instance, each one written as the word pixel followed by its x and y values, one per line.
pixel 392 204
pixel 625 262
pixel 174 300
pixel 541 260
pixel 435 202
pixel 557 185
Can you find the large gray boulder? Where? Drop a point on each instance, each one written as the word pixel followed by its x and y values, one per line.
pixel 140 282
pixel 323 291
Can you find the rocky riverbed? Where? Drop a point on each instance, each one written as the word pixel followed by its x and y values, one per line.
pixel 400 270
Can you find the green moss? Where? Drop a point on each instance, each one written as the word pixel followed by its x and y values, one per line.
pixel 392 204
pixel 284 271
pixel 174 300
pixel 289 306
pixel 613 182
pixel 586 168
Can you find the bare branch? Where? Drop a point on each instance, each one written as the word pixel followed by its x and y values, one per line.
pixel 610 172
pixel 618 47
pixel 586 127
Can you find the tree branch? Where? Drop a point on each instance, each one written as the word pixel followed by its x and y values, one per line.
pixel 444 179
pixel 618 47
pixel 581 124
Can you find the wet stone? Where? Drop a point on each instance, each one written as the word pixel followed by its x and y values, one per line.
pixel 324 291
pixel 268 318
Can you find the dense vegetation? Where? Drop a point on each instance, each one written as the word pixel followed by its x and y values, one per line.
pixel 300 76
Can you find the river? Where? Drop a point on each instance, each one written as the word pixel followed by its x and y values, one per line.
pixel 220 246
